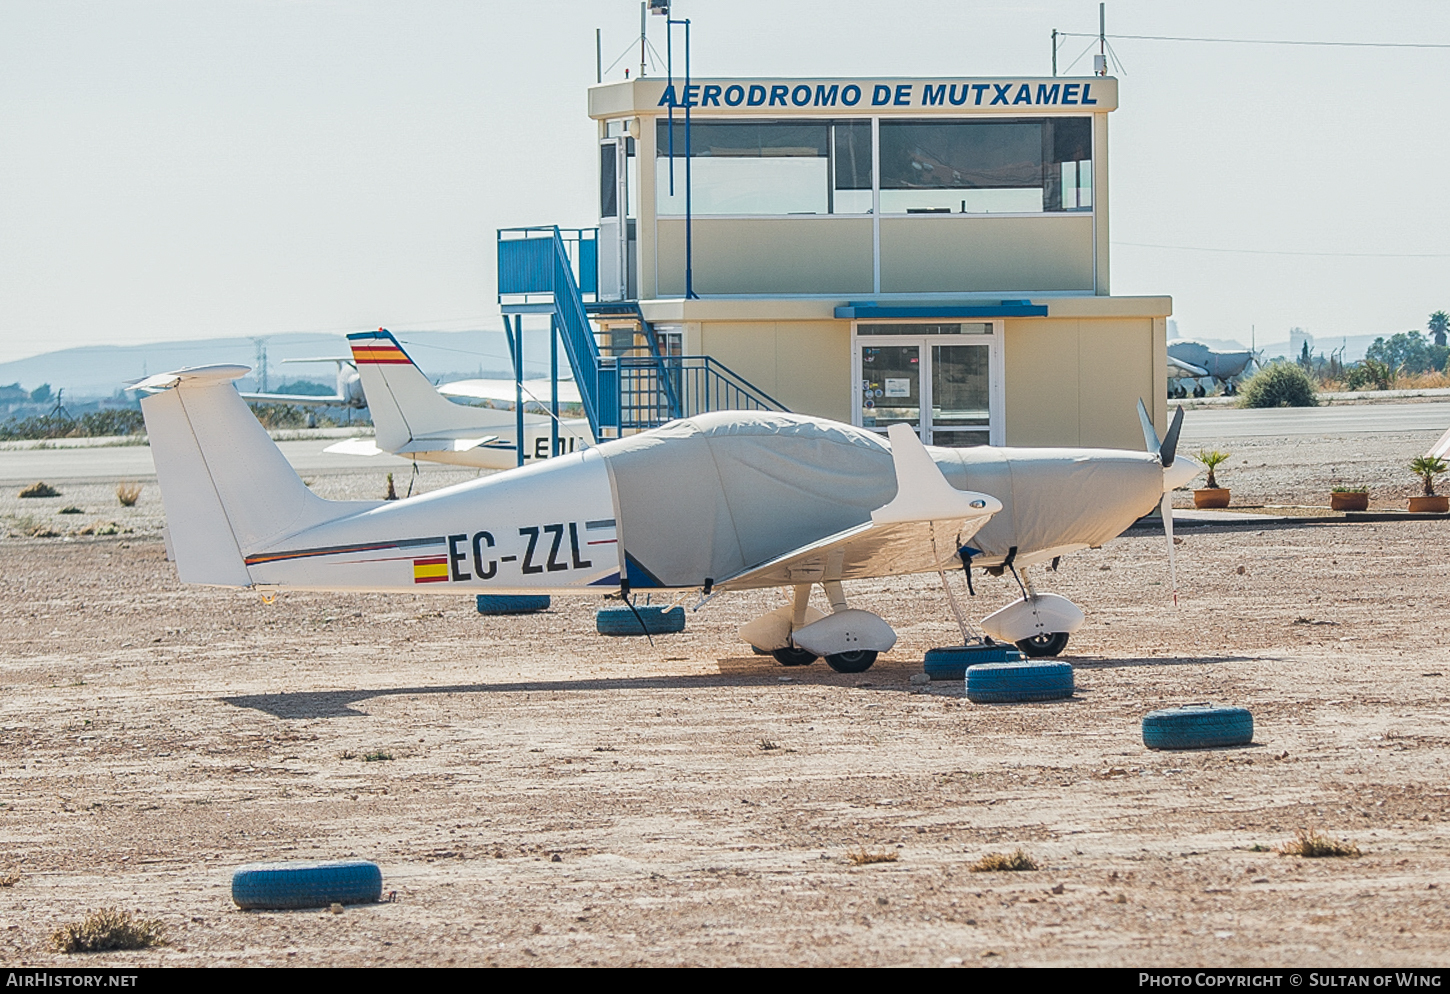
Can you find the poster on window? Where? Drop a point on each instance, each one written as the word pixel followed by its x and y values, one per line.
pixel 898 387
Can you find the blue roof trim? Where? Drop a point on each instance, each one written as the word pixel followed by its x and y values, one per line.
pixel 860 310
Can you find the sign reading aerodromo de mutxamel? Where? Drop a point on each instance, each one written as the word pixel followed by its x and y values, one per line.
pixel 1095 93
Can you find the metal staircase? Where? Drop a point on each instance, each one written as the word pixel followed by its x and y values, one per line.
pixel 625 382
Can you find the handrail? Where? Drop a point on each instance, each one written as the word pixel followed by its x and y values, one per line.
pixel 630 392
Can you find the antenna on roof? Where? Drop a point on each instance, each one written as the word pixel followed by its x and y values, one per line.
pixel 1100 61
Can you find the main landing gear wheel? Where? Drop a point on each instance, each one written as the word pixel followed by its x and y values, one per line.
pixel 1044 645
pixel 852 662
pixel 791 656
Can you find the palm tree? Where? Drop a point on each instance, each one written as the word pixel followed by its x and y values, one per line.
pixel 1439 325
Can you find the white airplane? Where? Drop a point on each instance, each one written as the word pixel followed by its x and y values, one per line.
pixel 1190 360
pixel 412 420
pixel 726 501
pixel 349 389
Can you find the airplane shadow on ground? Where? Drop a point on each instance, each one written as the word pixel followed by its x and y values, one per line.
pixel 889 675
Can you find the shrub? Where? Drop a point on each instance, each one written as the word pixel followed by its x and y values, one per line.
pixel 1312 845
pixel 108 929
pixel 863 857
pixel 1212 459
pixel 1280 384
pixel 1000 863
pixel 1427 468
pixel 40 489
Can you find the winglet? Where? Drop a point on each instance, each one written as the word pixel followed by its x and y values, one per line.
pixel 922 492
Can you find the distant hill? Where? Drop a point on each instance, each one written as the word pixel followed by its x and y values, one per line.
pixel 100 370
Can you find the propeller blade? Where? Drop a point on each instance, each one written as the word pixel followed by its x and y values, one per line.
pixel 1150 437
pixel 1170 441
pixel 1166 510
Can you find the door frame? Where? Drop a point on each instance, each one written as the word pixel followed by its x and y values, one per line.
pixel 992 341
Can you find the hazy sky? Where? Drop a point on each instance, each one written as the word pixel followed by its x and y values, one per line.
pixel 185 169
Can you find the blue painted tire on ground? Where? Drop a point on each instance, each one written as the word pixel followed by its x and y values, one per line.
pixel 1198 727
pixel 306 884
pixel 1012 683
pixel 511 603
pixel 657 620
pixel 950 662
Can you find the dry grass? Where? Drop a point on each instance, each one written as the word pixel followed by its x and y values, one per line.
pixel 1002 863
pixel 862 857
pixel 377 756
pixel 108 929
pixel 128 493
pixel 40 489
pixel 1313 845
pixel 10 879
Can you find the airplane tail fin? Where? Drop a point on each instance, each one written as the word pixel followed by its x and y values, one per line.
pixel 227 489
pixel 406 407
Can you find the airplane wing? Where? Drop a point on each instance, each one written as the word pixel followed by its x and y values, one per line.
pixel 331 400
pixel 1178 369
pixel 367 447
pixel 503 390
pixel 919 531
pixel 1440 449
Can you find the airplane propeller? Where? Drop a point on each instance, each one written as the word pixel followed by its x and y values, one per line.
pixel 1167 454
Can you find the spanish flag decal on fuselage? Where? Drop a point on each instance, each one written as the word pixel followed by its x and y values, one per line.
pixel 434 569
pixel 380 352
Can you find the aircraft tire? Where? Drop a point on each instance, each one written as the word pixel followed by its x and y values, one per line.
pixel 511 603
pixel 1043 645
pixel 792 656
pixel 657 620
pixel 1197 726
pixel 306 884
pixel 852 662
pixel 1015 683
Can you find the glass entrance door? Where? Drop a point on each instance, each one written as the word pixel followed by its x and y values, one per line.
pixel 890 390
pixel 942 380
pixel 961 405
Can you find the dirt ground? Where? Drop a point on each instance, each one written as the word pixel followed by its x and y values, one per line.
pixel 555 797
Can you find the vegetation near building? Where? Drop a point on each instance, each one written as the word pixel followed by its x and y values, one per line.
pixel 93 424
pixel 1279 384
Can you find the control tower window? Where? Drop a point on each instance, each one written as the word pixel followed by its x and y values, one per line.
pixel 986 167
pixel 767 167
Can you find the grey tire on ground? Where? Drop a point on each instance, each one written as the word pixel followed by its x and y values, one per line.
pixel 792 656
pixel 1013 683
pixel 306 884
pixel 1043 645
pixel 511 603
pixel 852 662
pixel 1198 727
pixel 656 620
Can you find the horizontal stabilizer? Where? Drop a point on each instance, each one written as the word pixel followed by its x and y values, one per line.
pixel 355 447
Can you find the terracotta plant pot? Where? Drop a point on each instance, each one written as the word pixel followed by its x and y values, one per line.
pixel 1217 497
pixel 1437 504
pixel 1340 500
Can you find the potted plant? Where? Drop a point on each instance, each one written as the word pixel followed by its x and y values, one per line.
pixel 1212 495
pixel 1348 498
pixel 1427 468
